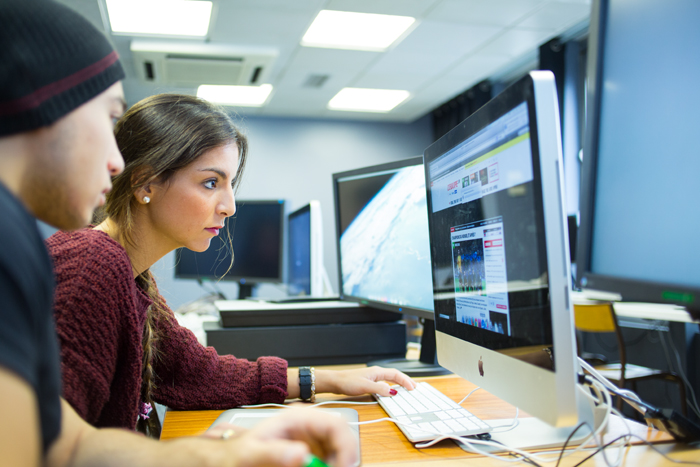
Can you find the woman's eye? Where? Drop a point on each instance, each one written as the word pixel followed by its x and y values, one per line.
pixel 211 184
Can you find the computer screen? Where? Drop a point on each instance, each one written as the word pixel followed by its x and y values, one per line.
pixel 256 231
pixel 383 248
pixel 639 192
pixel 305 251
pixel 382 231
pixel 499 250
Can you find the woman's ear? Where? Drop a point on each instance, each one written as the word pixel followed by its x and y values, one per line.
pixel 144 194
pixel 140 178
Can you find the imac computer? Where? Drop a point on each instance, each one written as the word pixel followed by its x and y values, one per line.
pixel 383 247
pixel 256 231
pixel 500 260
pixel 640 190
pixel 305 251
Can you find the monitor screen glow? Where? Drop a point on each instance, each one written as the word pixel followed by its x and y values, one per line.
pixel 382 224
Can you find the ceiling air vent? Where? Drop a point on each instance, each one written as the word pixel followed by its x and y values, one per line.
pixel 315 81
pixel 192 64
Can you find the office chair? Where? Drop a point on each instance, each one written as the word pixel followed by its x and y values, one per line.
pixel 599 317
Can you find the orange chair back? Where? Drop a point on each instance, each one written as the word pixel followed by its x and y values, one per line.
pixel 598 317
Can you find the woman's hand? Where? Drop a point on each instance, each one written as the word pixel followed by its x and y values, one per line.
pixel 288 439
pixel 369 380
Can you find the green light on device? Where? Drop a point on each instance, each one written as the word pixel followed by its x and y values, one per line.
pixel 678 297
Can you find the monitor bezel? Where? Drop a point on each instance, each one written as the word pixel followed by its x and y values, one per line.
pixel 407 310
pixel 237 278
pixel 551 396
pixel 626 289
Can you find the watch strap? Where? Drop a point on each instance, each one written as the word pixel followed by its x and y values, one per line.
pixel 305 382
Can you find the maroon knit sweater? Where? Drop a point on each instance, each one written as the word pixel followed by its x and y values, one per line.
pixel 100 315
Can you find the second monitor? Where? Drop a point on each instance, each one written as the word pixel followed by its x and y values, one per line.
pixel 305 252
pixel 383 247
pixel 256 234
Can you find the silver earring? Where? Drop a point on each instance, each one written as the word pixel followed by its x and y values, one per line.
pixel 146 199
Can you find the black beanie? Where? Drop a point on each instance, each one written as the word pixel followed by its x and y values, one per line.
pixel 52 60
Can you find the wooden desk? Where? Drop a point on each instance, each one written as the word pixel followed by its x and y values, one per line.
pixel 383 443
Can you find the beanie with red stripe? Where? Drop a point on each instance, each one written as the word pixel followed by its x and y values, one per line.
pixel 52 60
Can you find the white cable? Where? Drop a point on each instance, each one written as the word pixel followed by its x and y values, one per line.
pixel 510 427
pixel 467 396
pixel 284 406
pixel 344 402
pixel 613 388
pixel 263 405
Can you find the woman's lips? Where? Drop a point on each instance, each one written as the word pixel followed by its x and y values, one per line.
pixel 213 230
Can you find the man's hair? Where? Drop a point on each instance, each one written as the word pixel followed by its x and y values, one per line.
pixel 53 61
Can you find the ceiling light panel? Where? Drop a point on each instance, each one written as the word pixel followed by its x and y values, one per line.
pixel 160 17
pixel 244 96
pixel 355 31
pixel 367 100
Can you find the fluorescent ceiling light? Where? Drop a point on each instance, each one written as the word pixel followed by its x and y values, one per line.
pixel 166 17
pixel 246 96
pixel 367 100
pixel 356 31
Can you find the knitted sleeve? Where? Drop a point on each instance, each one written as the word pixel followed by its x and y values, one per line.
pixel 90 289
pixel 190 376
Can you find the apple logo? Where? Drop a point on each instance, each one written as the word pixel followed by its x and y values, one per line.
pixel 481 367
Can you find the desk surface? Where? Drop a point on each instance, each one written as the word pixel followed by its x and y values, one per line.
pixel 383 443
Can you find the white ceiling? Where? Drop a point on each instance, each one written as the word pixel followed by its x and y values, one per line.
pixel 456 44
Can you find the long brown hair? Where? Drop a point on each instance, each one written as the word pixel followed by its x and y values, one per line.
pixel 157 137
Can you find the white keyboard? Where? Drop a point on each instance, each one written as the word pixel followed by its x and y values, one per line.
pixel 426 411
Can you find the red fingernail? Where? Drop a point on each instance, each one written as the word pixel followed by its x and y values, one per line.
pixel 393 392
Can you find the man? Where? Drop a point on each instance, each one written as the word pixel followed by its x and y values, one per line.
pixel 59 96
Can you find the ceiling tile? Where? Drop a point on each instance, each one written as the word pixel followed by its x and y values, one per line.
pixel 515 42
pixel 330 61
pixel 556 16
pixel 484 12
pixel 414 8
pixel 478 67
pixel 404 81
pixel 445 38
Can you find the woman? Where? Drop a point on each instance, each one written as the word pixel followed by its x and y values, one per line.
pixel 121 345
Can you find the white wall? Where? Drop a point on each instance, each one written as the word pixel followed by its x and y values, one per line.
pixel 294 159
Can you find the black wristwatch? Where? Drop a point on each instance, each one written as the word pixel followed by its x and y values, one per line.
pixel 307 383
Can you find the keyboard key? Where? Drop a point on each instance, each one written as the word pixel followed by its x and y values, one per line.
pixel 442 427
pixel 393 407
pixel 404 420
pixel 405 406
pixel 427 428
pixel 454 424
pixel 465 413
pixel 443 415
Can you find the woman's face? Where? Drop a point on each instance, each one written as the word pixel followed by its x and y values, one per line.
pixel 191 208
